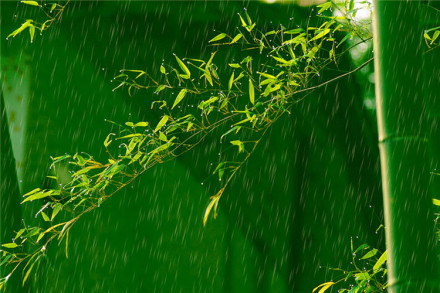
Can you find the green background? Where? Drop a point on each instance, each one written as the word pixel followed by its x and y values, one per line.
pixel 288 216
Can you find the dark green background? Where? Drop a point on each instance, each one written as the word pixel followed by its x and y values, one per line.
pixel 289 215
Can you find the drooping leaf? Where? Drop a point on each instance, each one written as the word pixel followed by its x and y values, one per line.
pixel 231 81
pixel 10 245
pixel 323 287
pixel 382 259
pixel 217 37
pixel 179 97
pixel 161 122
pixel 183 67
pixel 33 3
pixel 236 38
pixel 369 254
pixel 251 92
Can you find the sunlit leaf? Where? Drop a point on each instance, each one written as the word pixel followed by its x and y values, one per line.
pixel 56 209
pixel 251 92
pixel 382 259
pixel 236 38
pixel 183 67
pixel 370 254
pixel 231 81
pixel 320 35
pixel 179 97
pixel 214 200
pixel 218 37
pixel 161 122
pixel 10 245
pixel 33 3
pixel 323 287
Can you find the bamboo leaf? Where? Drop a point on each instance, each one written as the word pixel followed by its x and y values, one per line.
pixel 183 67
pixel 323 287
pixel 217 38
pixel 179 97
pixel 38 195
pixel 236 38
pixel 251 92
pixel 320 35
pixel 382 259
pixel 231 81
pixel 21 28
pixel 161 123
pixel 33 3
pixel 45 217
pixel 32 32
pixel 10 245
pixel 214 200
pixel 26 276
pixel 56 209
pixel 370 254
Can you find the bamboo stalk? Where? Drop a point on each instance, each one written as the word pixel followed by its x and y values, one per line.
pixel 403 143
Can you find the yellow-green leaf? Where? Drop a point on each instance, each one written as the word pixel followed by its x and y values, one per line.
pixel 161 122
pixel 436 202
pixel 380 261
pixel 26 276
pixel 236 38
pixel 251 92
pixel 217 37
pixel 56 210
pixel 214 201
pixel 179 97
pixel 183 67
pixel 231 81
pixel 321 34
pixel 33 3
pixel 32 32
pixel 10 245
pixel 45 217
pixel 162 136
pixel 369 254
pixel 323 287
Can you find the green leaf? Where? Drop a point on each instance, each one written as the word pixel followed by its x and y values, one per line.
pixel 32 32
pixel 217 37
pixel 323 287
pixel 45 217
pixel 251 92
pixel 214 201
pixel 179 97
pixel 21 28
pixel 370 254
pixel 231 81
pixel 239 144
pixel 162 136
pixel 26 276
pixel 234 65
pixel 19 233
pixel 161 123
pixel 380 261
pixel 236 38
pixel 10 245
pixel 320 35
pixel 141 124
pixel 38 195
pixel 324 6
pixel 33 3
pixel 183 67
pixel 56 209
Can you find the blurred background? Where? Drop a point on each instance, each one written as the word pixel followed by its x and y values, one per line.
pixel 288 216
